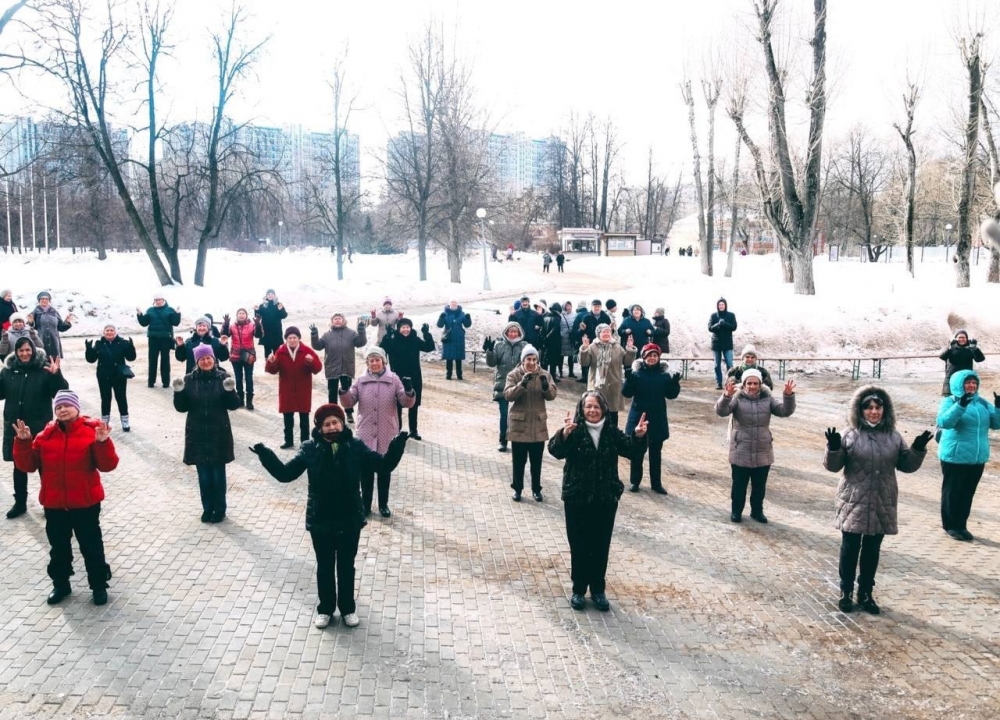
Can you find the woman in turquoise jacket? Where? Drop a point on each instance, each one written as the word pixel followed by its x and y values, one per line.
pixel 965 420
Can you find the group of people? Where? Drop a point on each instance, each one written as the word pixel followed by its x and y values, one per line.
pixel 622 364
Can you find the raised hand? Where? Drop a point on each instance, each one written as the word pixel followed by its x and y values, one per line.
pixel 138 310
pixel 920 441
pixel 642 426
pixel 630 345
pixel 313 328
pixel 649 332
pixel 568 425
pixel 309 358
pixel 425 329
pixel 832 439
pixel 71 318
pixel 102 432
pixel 229 384
pixel 730 388
pixel 270 358
pixel 966 399
pixel 53 366
pixel 676 377
pixel 407 384
pixel 179 340
pixel 345 383
pixel 280 306
pixel 22 431
pixel 545 383
pixel 89 344
pixel 585 341
pixel 223 339
pixel 225 318
pixel 373 313
pixel 790 387
pixel 628 331
pixel 177 384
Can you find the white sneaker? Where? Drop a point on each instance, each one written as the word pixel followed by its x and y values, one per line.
pixel 321 620
pixel 352 620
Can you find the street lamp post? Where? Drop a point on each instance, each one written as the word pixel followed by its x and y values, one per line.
pixel 481 214
pixel 281 224
pixel 947 241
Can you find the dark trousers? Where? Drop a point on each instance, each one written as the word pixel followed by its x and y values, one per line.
pixel 335 553
pixel 561 268
pixel 554 366
pixel 569 363
pixel 368 488
pixel 655 452
pixel 243 372
pixel 116 385
pixel 20 486
pixel 290 426
pixel 411 417
pixel 270 346
pixel 757 479
pixel 212 484
pixel 867 546
pixel 958 487
pixel 522 452
pixel 589 527
pixel 159 352
pixel 612 419
pixel 333 395
pixel 545 268
pixel 584 372
pixel 85 523
pixel 504 404
pixel 458 368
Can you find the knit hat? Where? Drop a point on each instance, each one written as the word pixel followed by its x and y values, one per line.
pixel 525 297
pixel 377 351
pixel 528 350
pixel 66 397
pixel 203 350
pixel 329 410
pixel 292 330
pixel 387 301
pixel 159 296
pixel 5 293
pixel 600 328
pixel 650 348
pixel 659 311
pixel 203 319
pixel 749 350
pixel 581 305
pixel 338 314
pixel 269 291
pixel 44 293
pixel 751 373
pixel 17 316
pixel 110 325
pixel 404 321
pixel 610 304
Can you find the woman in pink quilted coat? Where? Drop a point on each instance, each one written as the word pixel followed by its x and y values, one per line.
pixel 376 394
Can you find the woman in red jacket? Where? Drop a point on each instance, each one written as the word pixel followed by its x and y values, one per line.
pixel 294 364
pixel 70 453
pixel 239 337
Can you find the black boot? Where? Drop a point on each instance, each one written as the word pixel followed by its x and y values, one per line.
pixel 846 604
pixel 239 394
pixel 20 508
pixel 867 603
pixel 288 439
pixel 249 401
pixel 59 593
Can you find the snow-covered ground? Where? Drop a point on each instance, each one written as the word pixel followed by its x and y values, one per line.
pixel 858 308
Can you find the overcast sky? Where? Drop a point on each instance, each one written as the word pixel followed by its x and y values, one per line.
pixel 537 60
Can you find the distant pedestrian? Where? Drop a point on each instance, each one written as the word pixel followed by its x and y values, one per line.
pixel 722 325
pixel 546 262
pixel 161 319
pixel 454 322
pixel 112 353
pixel 509 253
pixel 560 261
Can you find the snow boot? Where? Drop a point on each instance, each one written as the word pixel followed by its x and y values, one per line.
pixel 125 424
pixel 249 401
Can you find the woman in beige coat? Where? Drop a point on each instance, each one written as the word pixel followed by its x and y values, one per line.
pixel 607 360
pixel 527 389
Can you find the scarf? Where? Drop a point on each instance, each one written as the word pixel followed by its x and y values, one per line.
pixel 595 431
pixel 294 352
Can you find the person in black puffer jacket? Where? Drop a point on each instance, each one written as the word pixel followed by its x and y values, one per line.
pixel 403 348
pixel 961 354
pixel 591 489
pixel 334 461
pixel 161 319
pixel 722 325
pixel 271 313
pixel 111 353
pixel 551 339
pixel 650 385
pixel 202 335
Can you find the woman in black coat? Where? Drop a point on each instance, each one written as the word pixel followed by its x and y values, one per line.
pixel 591 489
pixel 7 308
pixel 28 382
pixel 403 348
pixel 207 395
pixel 551 340
pixel 961 354
pixel 334 461
pixel 661 330
pixel 271 313
pixel 111 353
pixel 649 385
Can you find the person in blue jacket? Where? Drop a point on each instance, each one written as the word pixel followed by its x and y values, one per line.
pixel 649 385
pixel 965 420
pixel 454 321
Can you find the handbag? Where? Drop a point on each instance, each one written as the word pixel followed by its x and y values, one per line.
pixel 446 335
pixel 248 357
pixel 126 371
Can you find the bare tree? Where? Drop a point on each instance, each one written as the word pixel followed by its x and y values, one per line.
pixel 910 100
pixel 994 206
pixel 975 67
pixel 711 88
pixel 699 188
pixel 862 169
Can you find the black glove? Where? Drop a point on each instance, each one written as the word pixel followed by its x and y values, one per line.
pixel 89 344
pixel 258 449
pixel 425 328
pixel 628 373
pixel 313 329
pixel 920 441
pixel 973 342
pixel 361 326
pixel 345 383
pixel 996 400
pixel 676 377
pixel 965 399
pixel 225 318
pixel 545 383
pixel 407 384
pixel 131 341
pixel 489 344
pixel 526 379
pixel 832 440
pixel 394 453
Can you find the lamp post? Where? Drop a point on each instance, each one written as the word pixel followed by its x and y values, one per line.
pixel 947 241
pixel 281 224
pixel 481 214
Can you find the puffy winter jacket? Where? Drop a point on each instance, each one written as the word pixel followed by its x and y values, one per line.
pixel 294 377
pixel 110 355
pixel 661 333
pixel 27 390
pixel 641 330
pixel 750 442
pixel 376 397
pixel 527 419
pixel 650 388
pixel 241 336
pixel 270 322
pixel 70 462
pixel 965 430
pixel 722 325
pixel 208 436
pixel 505 356
pixel 454 322
pixel 404 356
pixel 339 344
pixel 160 321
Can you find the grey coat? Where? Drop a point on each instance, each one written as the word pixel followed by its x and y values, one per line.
pixel 384 320
pixel 505 356
pixel 609 378
pixel 339 344
pixel 527 420
pixel 867 495
pixel 751 444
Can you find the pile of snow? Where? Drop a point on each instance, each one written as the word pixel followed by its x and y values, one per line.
pixel 859 309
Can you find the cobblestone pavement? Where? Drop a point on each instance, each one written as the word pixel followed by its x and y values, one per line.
pixel 463 594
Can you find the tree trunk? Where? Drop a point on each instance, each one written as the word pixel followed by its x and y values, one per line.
pixel 734 216
pixel 200 264
pixel 802 265
pixel 175 265
pixel 994 274
pixel 787 268
pixel 455 264
pixel 963 248
pixel 422 250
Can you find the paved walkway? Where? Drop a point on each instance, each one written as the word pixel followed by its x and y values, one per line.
pixel 463 595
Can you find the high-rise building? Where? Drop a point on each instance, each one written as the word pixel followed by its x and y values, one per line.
pixel 520 162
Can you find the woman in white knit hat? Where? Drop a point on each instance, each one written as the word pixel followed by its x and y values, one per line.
pixel 527 389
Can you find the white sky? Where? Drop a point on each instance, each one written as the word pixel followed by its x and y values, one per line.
pixel 536 61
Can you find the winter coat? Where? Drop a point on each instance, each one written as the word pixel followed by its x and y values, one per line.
pixel 649 388
pixel 750 442
pixel 965 430
pixel 592 321
pixel 334 471
pixel 566 346
pixel 736 373
pixel 505 356
pixel 69 461
pixel 642 330
pixel 546 259
pixel 110 356
pixel 608 377
pixel 384 321
pixel 526 419
pixel 454 322
pixel 560 259
pixel 530 322
pixel 867 494
pixel 590 475
pixel 208 436
pixel 404 356
pixel 294 377
pixel 27 391
pixel 160 321
pixel 11 337
pixel 270 322
pixel 185 353
pixel 959 357
pixel 49 324
pixel 722 325
pixel 7 308
pixel 338 344
pixel 376 397
pixel 551 337
pixel 661 333
pixel 241 336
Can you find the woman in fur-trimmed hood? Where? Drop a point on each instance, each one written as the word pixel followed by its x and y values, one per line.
pixel 869 453
pixel 649 385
